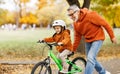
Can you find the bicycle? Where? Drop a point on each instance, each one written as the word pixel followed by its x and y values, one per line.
pixel 77 65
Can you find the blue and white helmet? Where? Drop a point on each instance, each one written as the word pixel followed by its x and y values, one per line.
pixel 59 23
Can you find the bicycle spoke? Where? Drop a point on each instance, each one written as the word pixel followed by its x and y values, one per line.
pixel 41 69
pixel 46 71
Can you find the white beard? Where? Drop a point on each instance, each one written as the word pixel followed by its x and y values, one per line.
pixel 76 19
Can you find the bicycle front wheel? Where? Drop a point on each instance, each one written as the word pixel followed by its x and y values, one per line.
pixel 41 68
pixel 80 62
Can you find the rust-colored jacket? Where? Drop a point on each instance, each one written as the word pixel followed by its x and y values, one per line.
pixel 63 37
pixel 90 25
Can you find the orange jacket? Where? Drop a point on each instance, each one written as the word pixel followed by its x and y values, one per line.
pixel 63 37
pixel 90 25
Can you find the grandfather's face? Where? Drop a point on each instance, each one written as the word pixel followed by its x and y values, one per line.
pixel 74 15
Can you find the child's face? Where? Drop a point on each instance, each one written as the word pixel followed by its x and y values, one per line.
pixel 57 29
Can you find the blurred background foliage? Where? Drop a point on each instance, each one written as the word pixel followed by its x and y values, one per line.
pixel 109 9
pixel 49 10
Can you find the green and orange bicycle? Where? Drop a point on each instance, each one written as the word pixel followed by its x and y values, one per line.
pixel 76 66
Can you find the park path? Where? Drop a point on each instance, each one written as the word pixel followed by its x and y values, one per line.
pixel 112 65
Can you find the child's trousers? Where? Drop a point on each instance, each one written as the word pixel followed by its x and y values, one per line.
pixel 63 56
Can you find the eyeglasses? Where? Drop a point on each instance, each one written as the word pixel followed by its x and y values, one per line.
pixel 72 13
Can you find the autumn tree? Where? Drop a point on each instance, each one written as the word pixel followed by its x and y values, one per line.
pixel 109 9
pixel 44 3
pixel 10 18
pixel 51 10
pixel 22 9
pixel 3 14
pixel 29 19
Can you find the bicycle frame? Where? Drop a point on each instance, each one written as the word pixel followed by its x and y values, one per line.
pixel 58 63
pixel 56 60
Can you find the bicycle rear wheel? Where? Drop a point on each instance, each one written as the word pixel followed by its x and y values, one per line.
pixel 41 68
pixel 80 62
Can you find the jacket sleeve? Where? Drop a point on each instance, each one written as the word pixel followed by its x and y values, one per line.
pixel 50 39
pixel 77 38
pixel 98 20
pixel 66 38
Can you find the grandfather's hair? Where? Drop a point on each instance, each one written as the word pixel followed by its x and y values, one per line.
pixel 73 7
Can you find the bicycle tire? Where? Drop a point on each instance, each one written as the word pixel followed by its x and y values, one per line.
pixel 44 68
pixel 78 60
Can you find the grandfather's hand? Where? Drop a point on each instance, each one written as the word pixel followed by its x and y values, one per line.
pixel 114 40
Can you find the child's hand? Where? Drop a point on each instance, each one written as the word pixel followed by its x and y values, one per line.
pixel 40 41
pixel 60 43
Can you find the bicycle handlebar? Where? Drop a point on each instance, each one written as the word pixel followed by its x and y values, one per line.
pixel 53 44
pixel 49 44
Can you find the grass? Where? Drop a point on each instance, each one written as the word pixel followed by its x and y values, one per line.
pixel 110 49
pixel 22 43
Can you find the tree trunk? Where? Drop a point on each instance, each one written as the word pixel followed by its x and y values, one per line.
pixel 71 2
pixel 86 3
pixel 81 47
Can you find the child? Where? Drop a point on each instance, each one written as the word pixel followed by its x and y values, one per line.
pixel 62 37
